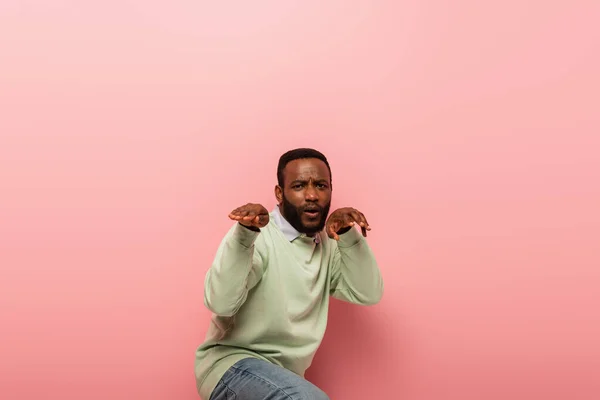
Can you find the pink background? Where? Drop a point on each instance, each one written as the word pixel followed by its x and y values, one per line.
pixel 467 131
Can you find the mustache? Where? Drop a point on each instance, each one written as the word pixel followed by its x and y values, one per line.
pixel 312 207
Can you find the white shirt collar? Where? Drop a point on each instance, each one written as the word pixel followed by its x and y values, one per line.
pixel 287 229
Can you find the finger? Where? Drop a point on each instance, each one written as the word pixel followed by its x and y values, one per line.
pixel 361 222
pixel 348 221
pixel 334 234
pixel 364 225
pixel 366 222
pixel 261 220
pixel 244 213
pixel 345 222
pixel 238 214
pixel 331 231
pixel 249 216
pixel 360 219
pixel 356 216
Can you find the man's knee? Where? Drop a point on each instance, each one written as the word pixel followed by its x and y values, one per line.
pixel 314 393
pixel 321 396
pixel 301 392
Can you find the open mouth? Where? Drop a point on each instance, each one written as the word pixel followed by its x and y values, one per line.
pixel 312 213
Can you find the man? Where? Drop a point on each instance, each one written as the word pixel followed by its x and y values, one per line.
pixel 270 282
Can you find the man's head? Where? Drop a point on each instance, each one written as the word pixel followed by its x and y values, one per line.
pixel 304 189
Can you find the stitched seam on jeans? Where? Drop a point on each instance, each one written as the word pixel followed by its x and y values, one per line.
pixel 263 380
pixel 215 388
pixel 229 391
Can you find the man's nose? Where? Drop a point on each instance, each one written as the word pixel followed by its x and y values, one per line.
pixel 311 194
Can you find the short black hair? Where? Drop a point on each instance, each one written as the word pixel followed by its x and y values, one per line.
pixel 296 154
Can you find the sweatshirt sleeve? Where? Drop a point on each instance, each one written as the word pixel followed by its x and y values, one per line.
pixel 236 269
pixel 355 276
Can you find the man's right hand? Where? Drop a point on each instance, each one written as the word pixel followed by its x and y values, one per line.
pixel 251 215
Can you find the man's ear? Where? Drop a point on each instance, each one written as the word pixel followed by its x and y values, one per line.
pixel 279 194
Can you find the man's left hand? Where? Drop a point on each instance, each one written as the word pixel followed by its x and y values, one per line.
pixel 344 218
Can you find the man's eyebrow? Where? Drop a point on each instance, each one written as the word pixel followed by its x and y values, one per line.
pixel 298 181
pixel 320 180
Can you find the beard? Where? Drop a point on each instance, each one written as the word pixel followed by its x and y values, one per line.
pixel 293 215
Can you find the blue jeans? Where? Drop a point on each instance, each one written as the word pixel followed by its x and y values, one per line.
pixel 254 379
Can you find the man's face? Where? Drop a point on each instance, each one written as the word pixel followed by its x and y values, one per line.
pixel 306 194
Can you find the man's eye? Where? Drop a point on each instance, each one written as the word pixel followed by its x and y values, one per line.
pixel 321 185
pixel 296 186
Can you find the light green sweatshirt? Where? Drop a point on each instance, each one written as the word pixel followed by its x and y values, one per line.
pixel 269 294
